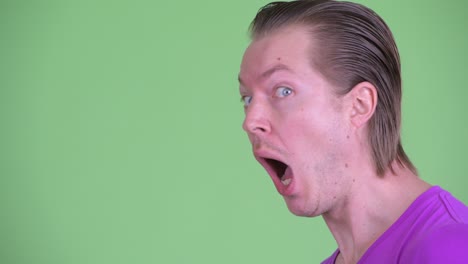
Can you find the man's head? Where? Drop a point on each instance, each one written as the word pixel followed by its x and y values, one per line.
pixel 352 45
pixel 321 81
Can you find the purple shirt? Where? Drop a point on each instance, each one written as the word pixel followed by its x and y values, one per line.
pixel 434 229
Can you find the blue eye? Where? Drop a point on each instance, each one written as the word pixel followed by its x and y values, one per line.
pixel 283 91
pixel 246 100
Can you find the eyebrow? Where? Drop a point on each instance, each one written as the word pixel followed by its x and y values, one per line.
pixel 277 67
pixel 270 71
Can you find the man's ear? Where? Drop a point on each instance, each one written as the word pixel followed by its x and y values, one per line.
pixel 363 99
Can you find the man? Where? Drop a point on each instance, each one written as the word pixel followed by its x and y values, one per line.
pixel 321 86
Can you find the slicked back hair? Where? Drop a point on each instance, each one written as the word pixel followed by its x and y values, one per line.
pixel 351 44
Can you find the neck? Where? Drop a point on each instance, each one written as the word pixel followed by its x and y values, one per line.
pixel 370 207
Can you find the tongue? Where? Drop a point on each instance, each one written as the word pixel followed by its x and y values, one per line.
pixel 287 174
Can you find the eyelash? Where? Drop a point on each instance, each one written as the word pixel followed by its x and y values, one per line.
pixel 247 99
pixel 244 99
pixel 282 89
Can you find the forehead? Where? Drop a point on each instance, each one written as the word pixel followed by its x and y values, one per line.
pixel 285 48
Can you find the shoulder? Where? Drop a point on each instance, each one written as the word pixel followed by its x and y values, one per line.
pixel 446 244
pixel 332 258
pixel 457 210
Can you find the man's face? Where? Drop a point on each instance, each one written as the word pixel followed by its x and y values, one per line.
pixel 295 122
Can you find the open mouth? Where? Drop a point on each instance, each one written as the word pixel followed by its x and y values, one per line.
pixel 281 169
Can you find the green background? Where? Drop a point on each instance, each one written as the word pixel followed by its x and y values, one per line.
pixel 121 131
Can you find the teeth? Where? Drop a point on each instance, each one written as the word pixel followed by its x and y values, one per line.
pixel 286 182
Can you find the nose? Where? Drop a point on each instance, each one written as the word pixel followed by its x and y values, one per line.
pixel 256 120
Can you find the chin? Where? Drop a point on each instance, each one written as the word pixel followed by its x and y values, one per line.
pixel 300 208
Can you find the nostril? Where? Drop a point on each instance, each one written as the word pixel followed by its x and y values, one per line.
pixel 260 129
pixel 256 127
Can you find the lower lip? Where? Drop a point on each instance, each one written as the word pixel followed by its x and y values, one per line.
pixel 284 190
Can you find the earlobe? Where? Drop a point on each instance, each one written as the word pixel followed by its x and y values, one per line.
pixel 363 102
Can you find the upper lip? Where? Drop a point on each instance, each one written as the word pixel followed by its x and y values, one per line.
pixel 263 158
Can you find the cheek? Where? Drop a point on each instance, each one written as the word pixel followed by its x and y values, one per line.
pixel 312 130
pixel 319 146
